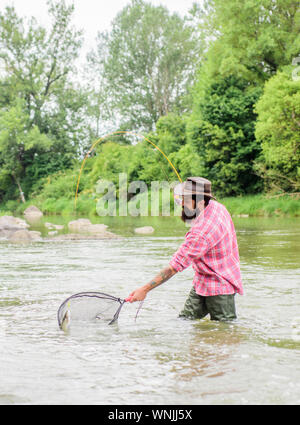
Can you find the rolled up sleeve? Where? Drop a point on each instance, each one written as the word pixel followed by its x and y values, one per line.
pixel 194 246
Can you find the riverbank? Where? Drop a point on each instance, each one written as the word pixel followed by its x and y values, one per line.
pixel 263 206
pixel 245 206
pixel 34 229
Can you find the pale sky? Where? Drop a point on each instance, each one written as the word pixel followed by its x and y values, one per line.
pixel 90 15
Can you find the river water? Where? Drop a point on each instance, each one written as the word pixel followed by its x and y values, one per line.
pixel 159 358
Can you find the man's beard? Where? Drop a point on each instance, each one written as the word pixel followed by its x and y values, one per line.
pixel 187 214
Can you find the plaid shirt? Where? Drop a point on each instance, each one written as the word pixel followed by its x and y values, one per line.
pixel 211 246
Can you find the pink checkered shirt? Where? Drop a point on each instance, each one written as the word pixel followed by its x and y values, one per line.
pixel 211 247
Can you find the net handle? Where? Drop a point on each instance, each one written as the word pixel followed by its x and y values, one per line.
pixel 115 318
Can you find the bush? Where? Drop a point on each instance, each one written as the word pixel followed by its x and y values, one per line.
pixel 278 130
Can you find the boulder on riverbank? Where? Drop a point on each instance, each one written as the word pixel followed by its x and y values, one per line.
pixel 14 229
pixel 144 230
pixel 83 229
pixel 84 226
pixel 33 214
pixel 10 224
pixel 25 236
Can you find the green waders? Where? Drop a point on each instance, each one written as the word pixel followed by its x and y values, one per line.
pixel 220 307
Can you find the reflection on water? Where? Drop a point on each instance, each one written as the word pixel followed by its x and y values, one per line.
pixel 159 359
pixel 209 348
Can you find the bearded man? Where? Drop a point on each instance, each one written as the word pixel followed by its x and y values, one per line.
pixel 211 247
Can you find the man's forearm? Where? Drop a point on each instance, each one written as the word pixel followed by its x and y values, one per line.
pixel 140 293
pixel 161 278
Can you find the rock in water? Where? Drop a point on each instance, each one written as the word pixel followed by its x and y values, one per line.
pixel 10 224
pixel 83 225
pixel 53 233
pixel 25 236
pixel 49 225
pixel 144 230
pixel 14 223
pixel 52 226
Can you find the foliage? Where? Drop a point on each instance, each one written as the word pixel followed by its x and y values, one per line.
pixel 246 44
pixel 278 130
pixel 111 159
pixel 252 38
pixel 171 133
pixel 222 132
pixel 140 162
pixel 149 60
pixel 212 90
pixel 187 162
pixel 262 206
pixel 18 142
pixel 37 66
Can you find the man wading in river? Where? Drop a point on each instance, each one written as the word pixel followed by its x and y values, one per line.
pixel 211 247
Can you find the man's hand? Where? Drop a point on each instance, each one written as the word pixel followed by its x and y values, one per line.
pixel 138 295
pixel 141 293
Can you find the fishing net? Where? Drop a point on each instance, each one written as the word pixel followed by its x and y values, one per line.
pixel 88 306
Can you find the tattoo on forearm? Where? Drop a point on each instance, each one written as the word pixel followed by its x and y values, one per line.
pixel 162 277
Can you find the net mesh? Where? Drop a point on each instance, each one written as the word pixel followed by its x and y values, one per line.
pixel 87 306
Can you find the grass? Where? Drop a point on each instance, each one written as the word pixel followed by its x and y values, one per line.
pixel 262 206
pixel 251 205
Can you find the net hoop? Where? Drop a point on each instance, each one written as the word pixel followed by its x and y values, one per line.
pixel 91 294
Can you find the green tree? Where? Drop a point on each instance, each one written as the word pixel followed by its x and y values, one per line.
pixel 99 110
pixel 170 136
pixel 187 162
pixel 38 67
pixel 149 60
pixel 16 141
pixel 252 38
pixel 246 44
pixel 171 133
pixel 222 132
pixel 278 130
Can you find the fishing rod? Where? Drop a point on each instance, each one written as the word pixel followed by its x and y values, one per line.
pixel 113 134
